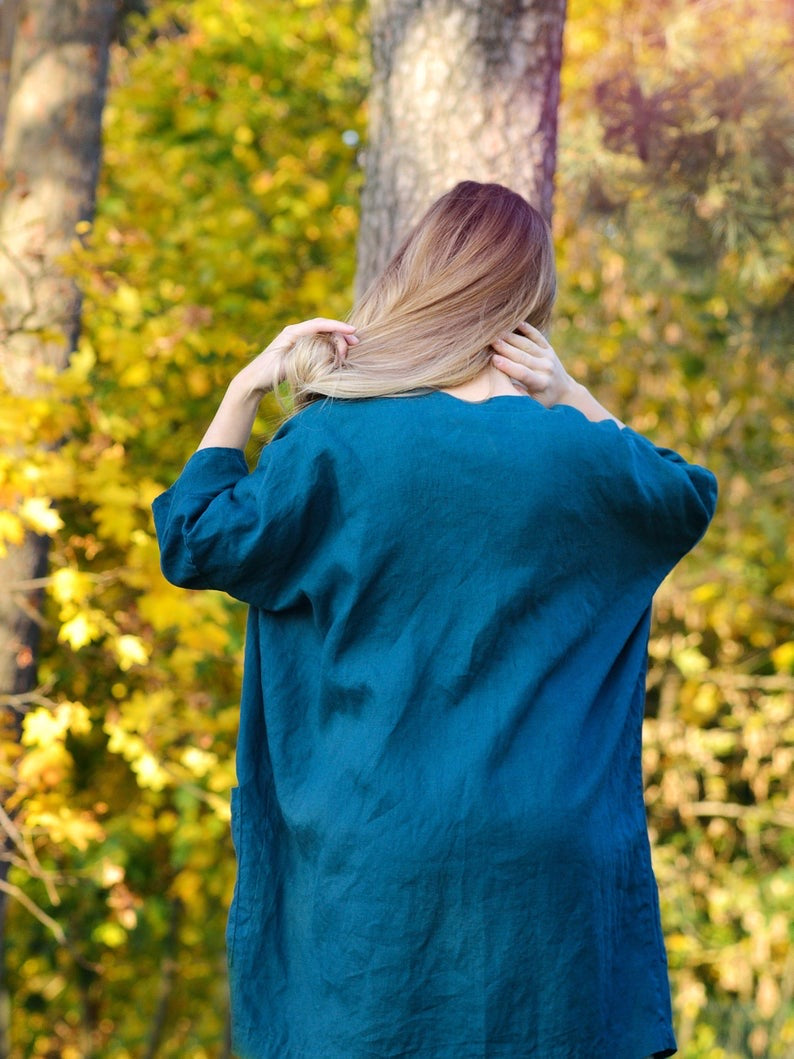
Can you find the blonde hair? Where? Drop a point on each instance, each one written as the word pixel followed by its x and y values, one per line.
pixel 478 263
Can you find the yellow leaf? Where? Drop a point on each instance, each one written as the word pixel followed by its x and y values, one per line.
pixel 690 661
pixel 77 717
pixel 81 630
pixel 243 134
pixel 187 885
pixel 783 657
pixel 131 651
pixel 44 766
pixel 122 742
pixel 210 638
pixel 70 586
pixel 136 374
pixel 127 301
pixel 41 727
pixel 149 772
pixel 82 362
pixel 38 513
pixel 11 529
pixel 111 934
pixel 78 829
pixel 198 761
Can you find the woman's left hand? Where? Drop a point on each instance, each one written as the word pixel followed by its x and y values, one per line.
pixel 231 427
pixel 267 370
pixel 527 357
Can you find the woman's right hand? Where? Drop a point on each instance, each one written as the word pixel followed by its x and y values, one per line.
pixel 266 371
pixel 526 356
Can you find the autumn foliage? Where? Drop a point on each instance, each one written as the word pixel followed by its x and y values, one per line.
pixel 228 208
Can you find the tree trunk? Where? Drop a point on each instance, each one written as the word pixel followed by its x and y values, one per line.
pixel 53 100
pixel 50 162
pixel 8 25
pixel 461 90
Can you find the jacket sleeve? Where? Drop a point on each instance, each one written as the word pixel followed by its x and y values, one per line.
pixel 661 504
pixel 248 534
pixel 679 498
pixel 641 507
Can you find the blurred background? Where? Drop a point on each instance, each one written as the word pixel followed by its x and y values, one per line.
pixel 228 205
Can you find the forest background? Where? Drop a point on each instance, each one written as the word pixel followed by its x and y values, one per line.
pixel 228 208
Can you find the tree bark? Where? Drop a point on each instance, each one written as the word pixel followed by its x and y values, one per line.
pixel 8 25
pixel 461 90
pixel 50 160
pixel 50 163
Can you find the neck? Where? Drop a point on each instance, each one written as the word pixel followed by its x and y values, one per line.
pixel 489 383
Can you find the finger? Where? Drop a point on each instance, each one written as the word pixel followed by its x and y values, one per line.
pixel 521 356
pixel 522 342
pixel 344 342
pixel 533 381
pixel 532 332
pixel 321 324
pixel 340 348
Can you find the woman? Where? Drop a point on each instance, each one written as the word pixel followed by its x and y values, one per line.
pixel 439 824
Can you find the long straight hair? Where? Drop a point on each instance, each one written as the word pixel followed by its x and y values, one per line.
pixel 478 263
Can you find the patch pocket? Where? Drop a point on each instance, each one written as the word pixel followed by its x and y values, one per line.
pixel 237 840
pixel 253 900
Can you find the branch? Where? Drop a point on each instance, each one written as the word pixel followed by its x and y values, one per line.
pixel 29 859
pixel 55 928
pixel 778 682
pixel 21 701
pixel 33 583
pixel 168 969
pixel 214 801
pixel 732 811
pixel 39 913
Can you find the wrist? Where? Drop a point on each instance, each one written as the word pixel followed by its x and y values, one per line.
pixel 578 396
pixel 570 392
pixel 245 390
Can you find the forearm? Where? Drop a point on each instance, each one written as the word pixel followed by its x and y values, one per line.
pixel 234 420
pixel 231 427
pixel 578 396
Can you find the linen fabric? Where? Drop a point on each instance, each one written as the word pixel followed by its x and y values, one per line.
pixel 439 824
